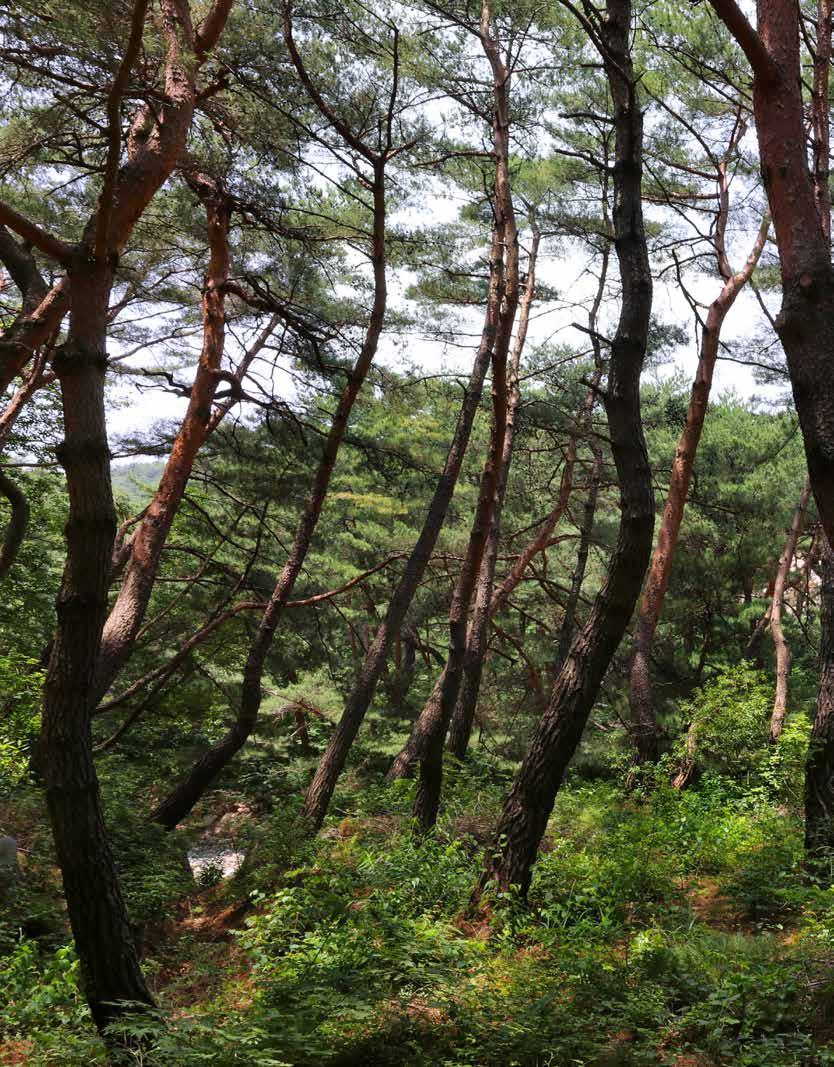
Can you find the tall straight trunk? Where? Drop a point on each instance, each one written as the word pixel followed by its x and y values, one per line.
pixel 477 638
pixel 524 817
pixel 586 530
pixel 146 545
pixel 819 768
pixel 805 323
pixel 97 913
pixel 333 760
pixel 644 729
pixel 783 652
pixel 179 802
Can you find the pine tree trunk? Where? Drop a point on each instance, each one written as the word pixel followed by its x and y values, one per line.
pixel 429 734
pixel 333 760
pixel 148 541
pixel 205 770
pixel 805 323
pixel 97 913
pixel 477 638
pixel 586 530
pixel 524 817
pixel 644 729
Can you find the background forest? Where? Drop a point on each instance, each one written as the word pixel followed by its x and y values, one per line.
pixel 417 484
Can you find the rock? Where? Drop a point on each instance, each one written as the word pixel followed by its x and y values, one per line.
pixel 211 860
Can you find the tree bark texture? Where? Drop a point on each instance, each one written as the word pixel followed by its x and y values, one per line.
pixel 805 323
pixel 97 913
pixel 477 638
pixel 147 542
pixel 524 818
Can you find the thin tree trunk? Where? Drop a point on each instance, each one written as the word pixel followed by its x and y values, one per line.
pixel 16 526
pixel 644 729
pixel 145 550
pixel 477 638
pixel 568 626
pixel 783 652
pixel 819 769
pixel 524 817
pixel 179 802
pixel 429 733
pixel 333 760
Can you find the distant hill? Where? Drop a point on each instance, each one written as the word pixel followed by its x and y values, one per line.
pixel 131 479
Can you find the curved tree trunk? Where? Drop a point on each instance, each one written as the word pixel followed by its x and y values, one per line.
pixel 100 925
pixel 805 323
pixel 333 760
pixel 99 921
pixel 644 729
pixel 524 817
pixel 783 652
pixel 429 733
pixel 578 577
pixel 145 549
pixel 186 793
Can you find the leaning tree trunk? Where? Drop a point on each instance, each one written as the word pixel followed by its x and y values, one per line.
pixel 16 526
pixel 429 733
pixel 783 652
pixel 524 817
pixel 644 729
pixel 819 769
pixel 179 802
pixel 97 914
pixel 333 760
pixel 586 529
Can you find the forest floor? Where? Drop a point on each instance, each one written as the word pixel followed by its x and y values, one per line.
pixel 661 928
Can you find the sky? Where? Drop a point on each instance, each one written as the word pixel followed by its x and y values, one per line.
pixel 564 270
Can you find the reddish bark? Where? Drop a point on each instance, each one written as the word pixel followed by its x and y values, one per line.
pixel 805 323
pixel 147 542
pixel 203 773
pixel 644 729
